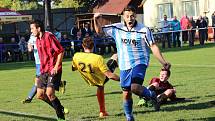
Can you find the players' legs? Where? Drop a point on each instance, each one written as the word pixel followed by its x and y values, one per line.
pixel 169 93
pixel 33 90
pixel 137 78
pixel 52 85
pixel 138 74
pixel 125 81
pixel 128 105
pixel 101 101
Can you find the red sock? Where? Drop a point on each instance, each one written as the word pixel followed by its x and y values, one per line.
pixel 101 98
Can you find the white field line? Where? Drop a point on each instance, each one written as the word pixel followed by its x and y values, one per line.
pixel 186 65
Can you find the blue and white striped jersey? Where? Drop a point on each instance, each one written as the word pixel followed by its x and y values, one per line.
pixel 32 41
pixel 132 46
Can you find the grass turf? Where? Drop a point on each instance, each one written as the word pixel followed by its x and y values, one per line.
pixel 192 75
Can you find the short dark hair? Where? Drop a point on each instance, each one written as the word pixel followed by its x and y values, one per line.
pixel 129 8
pixel 88 43
pixel 38 23
pixel 167 70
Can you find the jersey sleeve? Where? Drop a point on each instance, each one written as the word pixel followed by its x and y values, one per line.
pixel 110 30
pixel 170 85
pixel 101 64
pixel 148 37
pixel 31 40
pixel 55 45
pixel 154 80
pixel 74 65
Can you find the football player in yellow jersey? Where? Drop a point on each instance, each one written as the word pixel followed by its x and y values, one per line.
pixel 94 70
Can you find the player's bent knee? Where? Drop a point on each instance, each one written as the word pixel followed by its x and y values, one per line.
pixel 40 96
pixel 169 92
pixel 136 88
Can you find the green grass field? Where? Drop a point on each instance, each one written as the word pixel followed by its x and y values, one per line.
pixel 192 75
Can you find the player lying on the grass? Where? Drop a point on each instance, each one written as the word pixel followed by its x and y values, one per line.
pixel 94 70
pixel 162 87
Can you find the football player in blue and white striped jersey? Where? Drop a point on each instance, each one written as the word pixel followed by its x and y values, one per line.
pixel 133 41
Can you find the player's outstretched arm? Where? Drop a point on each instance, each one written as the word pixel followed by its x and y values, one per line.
pixel 111 75
pixel 97 25
pixel 156 52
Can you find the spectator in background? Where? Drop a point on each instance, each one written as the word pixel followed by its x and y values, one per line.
pixel 17 36
pixel 176 35
pixel 165 25
pixel 27 35
pixel 202 24
pixel 22 47
pixel 12 50
pixel 185 24
pixel 77 43
pixel 86 30
pixel 207 22
pixel 74 32
pixel 57 34
pixel 2 50
pixel 66 43
pixel 192 32
pixel 213 23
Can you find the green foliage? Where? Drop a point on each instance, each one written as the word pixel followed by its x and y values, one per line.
pixel 19 4
pixel 5 3
pixel 66 4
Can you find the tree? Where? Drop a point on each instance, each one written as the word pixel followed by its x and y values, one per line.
pixel 66 4
pixel 20 4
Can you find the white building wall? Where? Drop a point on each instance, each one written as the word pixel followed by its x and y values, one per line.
pixel 151 10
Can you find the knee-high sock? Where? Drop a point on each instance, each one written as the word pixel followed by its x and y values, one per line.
pixel 46 99
pixel 58 108
pixel 33 92
pixel 128 106
pixel 101 99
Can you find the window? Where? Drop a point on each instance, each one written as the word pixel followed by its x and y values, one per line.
pixel 191 8
pixel 206 6
pixel 165 9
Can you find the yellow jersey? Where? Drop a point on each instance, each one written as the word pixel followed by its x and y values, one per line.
pixel 91 67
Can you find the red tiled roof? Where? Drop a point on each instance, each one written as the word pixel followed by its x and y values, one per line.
pixel 112 7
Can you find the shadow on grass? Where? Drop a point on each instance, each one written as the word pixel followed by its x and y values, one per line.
pixel 18 114
pixel 199 119
pixel 180 100
pixel 196 106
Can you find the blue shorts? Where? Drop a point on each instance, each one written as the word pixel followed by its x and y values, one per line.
pixel 37 70
pixel 133 75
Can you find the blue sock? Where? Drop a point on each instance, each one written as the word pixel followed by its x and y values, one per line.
pixel 128 109
pixel 147 93
pixel 33 92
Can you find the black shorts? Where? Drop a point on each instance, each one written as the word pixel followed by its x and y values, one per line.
pixel 46 80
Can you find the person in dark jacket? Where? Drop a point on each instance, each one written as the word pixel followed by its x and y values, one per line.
pixel 192 32
pixel 202 25
pixel 213 23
